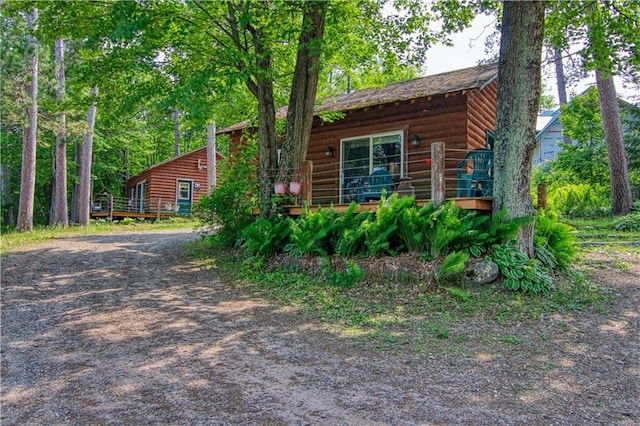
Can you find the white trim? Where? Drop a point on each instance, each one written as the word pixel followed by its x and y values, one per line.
pixel 400 133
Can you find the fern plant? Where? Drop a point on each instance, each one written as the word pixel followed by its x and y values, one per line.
pixel 265 237
pixel 309 234
pixel 553 241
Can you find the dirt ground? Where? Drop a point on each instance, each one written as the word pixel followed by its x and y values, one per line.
pixel 126 329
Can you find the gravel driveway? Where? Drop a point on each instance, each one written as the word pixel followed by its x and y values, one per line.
pixel 127 329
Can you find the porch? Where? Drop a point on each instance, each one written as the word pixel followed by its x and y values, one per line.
pixel 106 206
pixel 437 174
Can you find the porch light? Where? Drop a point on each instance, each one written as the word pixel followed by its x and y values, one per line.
pixel 328 152
pixel 415 140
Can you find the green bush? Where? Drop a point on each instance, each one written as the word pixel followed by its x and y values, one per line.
pixel 228 209
pixel 520 272
pixel 628 223
pixel 554 242
pixel 580 200
pixel 265 237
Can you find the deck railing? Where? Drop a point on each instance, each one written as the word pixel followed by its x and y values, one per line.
pixel 106 205
pixel 434 174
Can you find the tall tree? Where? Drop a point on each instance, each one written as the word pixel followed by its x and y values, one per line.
pixel 621 195
pixel 85 160
pixel 609 33
pixel 59 210
pixel 28 171
pixel 304 87
pixel 519 73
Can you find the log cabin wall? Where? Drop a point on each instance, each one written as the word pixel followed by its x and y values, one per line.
pixel 162 179
pixel 438 118
pixel 482 107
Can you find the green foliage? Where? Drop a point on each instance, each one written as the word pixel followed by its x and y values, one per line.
pixel 521 273
pixel 348 233
pixel 580 200
pixel 628 223
pixel 346 278
pixel 310 234
pixel 554 241
pixel 453 264
pixel 265 237
pixel 380 228
pixel 228 209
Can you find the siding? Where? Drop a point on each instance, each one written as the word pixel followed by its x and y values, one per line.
pixel 162 179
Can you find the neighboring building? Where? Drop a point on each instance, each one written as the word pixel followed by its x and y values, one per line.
pixel 393 127
pixel 174 185
pixel 548 137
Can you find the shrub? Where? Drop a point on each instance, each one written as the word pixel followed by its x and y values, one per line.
pixel 265 237
pixel 628 223
pixel 521 273
pixel 554 242
pixel 580 200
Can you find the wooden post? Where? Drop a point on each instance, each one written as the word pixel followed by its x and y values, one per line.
pixel 542 196
pixel 158 209
pixel 307 183
pixel 211 157
pixel 437 173
pixel 110 207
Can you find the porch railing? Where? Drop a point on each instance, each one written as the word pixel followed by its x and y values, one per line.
pixel 434 172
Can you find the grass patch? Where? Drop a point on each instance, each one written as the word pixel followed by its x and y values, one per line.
pixel 10 239
pixel 389 317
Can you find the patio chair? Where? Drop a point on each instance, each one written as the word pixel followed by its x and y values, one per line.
pixel 379 180
pixel 478 183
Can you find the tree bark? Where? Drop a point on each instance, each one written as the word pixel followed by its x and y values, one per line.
pixel 303 89
pixel 176 132
pixel 561 81
pixel 518 100
pixel 59 210
pixel 28 171
pixel 84 192
pixel 211 157
pixel 621 195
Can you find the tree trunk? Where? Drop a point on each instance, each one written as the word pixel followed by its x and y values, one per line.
pixel 28 171
pixel 621 195
pixel 59 211
pixel 518 101
pixel 561 81
pixel 5 190
pixel 84 192
pixel 211 157
pixel 303 90
pixel 176 132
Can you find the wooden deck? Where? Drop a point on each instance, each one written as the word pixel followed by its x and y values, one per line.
pixel 116 215
pixel 476 203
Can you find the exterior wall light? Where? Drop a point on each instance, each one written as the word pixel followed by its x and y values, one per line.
pixel 328 152
pixel 415 140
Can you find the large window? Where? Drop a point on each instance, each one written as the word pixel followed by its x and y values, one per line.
pixel 363 155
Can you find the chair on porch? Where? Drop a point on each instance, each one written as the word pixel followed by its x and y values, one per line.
pixel 379 180
pixel 478 183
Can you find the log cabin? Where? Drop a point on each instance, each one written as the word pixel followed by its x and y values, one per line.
pixel 393 127
pixel 171 186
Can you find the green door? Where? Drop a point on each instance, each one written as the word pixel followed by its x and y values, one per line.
pixel 185 196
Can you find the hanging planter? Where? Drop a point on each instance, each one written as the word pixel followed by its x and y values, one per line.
pixel 280 188
pixel 294 188
pixel 295 185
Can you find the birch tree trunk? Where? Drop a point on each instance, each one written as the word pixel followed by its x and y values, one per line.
pixel 518 100
pixel 59 210
pixel 28 171
pixel 84 190
pixel 621 195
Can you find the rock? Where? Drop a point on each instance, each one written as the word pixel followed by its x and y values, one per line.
pixel 481 272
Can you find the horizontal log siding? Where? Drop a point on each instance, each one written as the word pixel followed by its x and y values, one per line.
pixel 482 114
pixel 438 119
pixel 162 180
